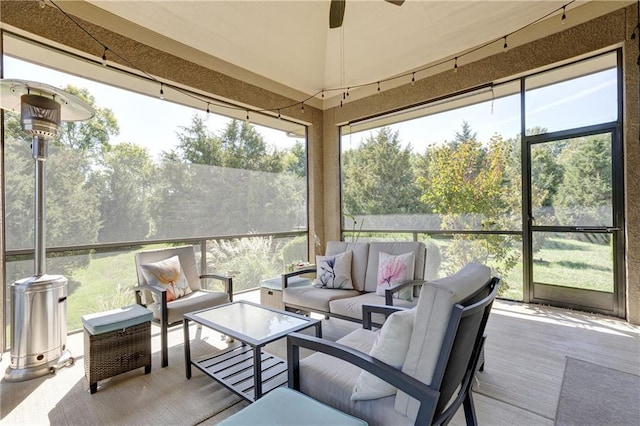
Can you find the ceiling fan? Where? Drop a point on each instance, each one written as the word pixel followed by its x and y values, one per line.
pixel 336 11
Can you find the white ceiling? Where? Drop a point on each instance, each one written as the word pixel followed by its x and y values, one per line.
pixel 290 43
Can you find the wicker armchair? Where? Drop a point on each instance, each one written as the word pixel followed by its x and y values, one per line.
pixel 167 308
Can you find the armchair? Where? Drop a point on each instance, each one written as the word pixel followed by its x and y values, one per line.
pixel 166 274
pixel 440 357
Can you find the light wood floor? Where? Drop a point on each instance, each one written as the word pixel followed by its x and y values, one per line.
pixel 525 357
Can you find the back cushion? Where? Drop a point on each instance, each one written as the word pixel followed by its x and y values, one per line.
pixel 187 263
pixel 432 317
pixel 394 248
pixel 358 261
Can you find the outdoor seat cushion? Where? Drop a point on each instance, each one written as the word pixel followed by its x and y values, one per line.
pixel 116 319
pixel 331 381
pixel 195 301
pixel 314 298
pixel 352 306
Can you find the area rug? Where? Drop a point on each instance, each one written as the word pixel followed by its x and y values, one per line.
pixel 595 395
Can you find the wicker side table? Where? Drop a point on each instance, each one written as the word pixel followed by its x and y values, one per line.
pixel 115 342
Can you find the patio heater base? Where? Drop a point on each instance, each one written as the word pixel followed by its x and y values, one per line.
pixel 38 328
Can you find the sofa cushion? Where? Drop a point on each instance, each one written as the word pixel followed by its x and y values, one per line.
pixel 395 270
pixel 331 381
pixel 352 307
pixel 432 317
pixel 316 299
pixel 334 271
pixel 394 248
pixel 358 261
pixel 390 347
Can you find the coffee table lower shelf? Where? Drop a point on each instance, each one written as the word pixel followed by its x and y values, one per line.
pixel 234 368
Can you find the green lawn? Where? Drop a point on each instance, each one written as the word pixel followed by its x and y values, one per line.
pixel 105 283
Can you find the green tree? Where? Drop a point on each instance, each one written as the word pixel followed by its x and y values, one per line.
pixel 89 136
pixel 125 183
pixel 244 148
pixel 465 184
pixel 378 177
pixel 584 196
pixel 197 145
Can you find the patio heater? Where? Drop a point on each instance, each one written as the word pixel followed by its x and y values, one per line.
pixel 39 303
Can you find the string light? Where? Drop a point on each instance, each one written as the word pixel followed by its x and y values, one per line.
pixel 348 88
pixel 455 65
pixel 208 108
pixel 340 104
pixel 301 107
pixel 42 4
pixel 247 117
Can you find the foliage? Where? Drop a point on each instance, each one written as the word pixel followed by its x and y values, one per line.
pixel 584 195
pixel 253 259
pixel 378 177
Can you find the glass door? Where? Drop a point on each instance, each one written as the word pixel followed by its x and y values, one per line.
pixel 574 223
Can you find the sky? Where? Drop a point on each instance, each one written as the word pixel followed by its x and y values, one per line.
pixel 569 104
pixel 131 109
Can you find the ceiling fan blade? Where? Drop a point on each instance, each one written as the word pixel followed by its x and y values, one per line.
pixel 336 13
pixel 396 2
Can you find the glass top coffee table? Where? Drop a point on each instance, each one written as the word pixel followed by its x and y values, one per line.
pixel 246 369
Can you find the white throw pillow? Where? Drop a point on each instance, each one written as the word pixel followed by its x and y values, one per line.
pixel 334 271
pixel 167 274
pixel 393 270
pixel 391 347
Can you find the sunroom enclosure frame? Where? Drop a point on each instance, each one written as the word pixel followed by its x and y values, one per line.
pixel 542 48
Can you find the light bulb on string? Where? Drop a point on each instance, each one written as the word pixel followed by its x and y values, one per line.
pixel 246 120
pixel 161 91
pixel 505 46
pixel 378 87
pixel 413 79
pixel 348 88
pixel 564 14
pixel 455 65
pixel 301 107
pixel 208 111
pixel 104 56
pixel 279 117
pixel 323 94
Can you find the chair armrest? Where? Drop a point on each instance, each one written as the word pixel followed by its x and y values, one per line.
pixel 156 289
pixel 413 387
pixel 385 310
pixel 226 279
pixel 388 293
pixel 285 277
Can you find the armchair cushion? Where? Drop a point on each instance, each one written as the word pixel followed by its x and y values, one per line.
pixel 391 347
pixel 193 302
pixel 334 271
pixel 331 381
pixel 167 274
pixel 434 308
pixel 394 270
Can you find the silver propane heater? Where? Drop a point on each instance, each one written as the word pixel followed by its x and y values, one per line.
pixel 39 303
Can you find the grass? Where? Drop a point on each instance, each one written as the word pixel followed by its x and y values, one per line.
pixel 106 282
